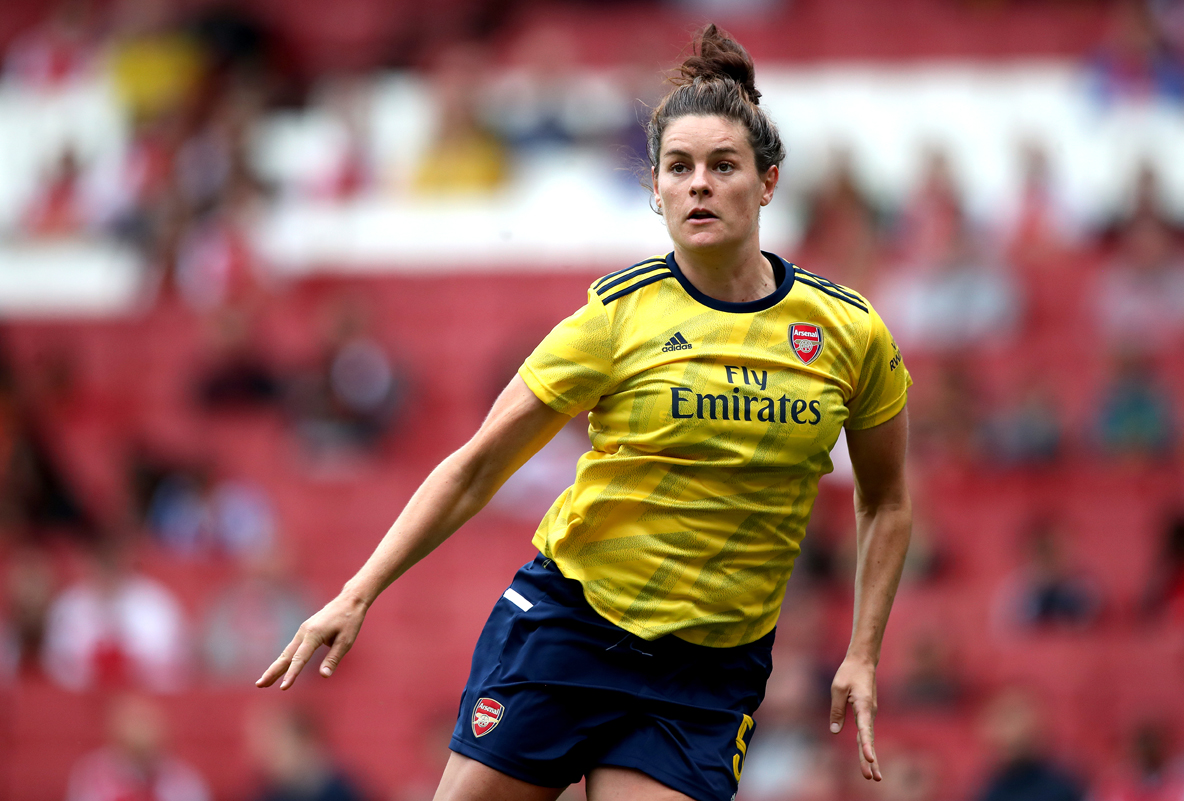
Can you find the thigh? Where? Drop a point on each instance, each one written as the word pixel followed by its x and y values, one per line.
pixel 608 783
pixel 467 779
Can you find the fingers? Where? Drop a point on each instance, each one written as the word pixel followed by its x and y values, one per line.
pixel 280 665
pixel 302 655
pixel 341 646
pixel 838 706
pixel 864 715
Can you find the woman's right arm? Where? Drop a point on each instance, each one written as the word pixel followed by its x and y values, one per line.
pixel 517 427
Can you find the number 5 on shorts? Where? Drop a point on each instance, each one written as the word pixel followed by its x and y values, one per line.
pixel 738 759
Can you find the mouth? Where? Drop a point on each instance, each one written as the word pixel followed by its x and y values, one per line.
pixel 701 215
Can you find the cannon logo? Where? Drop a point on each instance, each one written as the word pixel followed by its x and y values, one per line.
pixel 486 714
pixel 806 339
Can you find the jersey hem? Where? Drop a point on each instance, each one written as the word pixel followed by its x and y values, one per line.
pixel 650 635
pixel 886 414
pixel 541 391
pixel 503 765
pixel 669 779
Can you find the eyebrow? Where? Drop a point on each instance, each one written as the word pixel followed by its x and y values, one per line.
pixel 717 151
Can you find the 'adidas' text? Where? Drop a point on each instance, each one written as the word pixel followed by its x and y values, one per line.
pixel 677 342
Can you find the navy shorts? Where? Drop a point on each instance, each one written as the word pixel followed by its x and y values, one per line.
pixel 556 690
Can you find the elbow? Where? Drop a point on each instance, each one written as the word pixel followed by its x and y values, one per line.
pixel 475 475
pixel 896 504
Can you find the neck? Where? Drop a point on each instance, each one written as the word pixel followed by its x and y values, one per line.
pixel 734 276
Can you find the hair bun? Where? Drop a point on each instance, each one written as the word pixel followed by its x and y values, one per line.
pixel 716 56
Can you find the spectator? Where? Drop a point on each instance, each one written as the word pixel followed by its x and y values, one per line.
pixel 933 218
pixel 238 376
pixel 252 619
pixel 179 513
pixel 236 43
pixel 930 680
pixel 1023 772
pixel 29 591
pixel 1146 202
pixel 134 195
pixel 59 51
pixel 958 300
pixel 349 403
pixel 927 559
pixel 1026 429
pixel 1139 299
pixel 295 764
pixel 1041 225
pixel 1151 775
pixel 192 514
pixel 345 171
pixel 115 628
pixel 36 497
pixel 529 493
pixel 914 775
pixel 156 68
pixel 465 158
pixel 842 233
pixel 1135 416
pixel 10 654
pixel 1136 64
pixel 948 416
pixel 789 760
pixel 215 263
pixel 135 763
pixel 57 210
pixel 1165 590
pixel 545 99
pixel 1047 591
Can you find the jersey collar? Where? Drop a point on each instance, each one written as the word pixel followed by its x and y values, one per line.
pixel 782 275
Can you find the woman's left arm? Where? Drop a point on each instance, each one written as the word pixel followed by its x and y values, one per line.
pixel 883 519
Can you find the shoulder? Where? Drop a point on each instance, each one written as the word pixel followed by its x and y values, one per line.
pixel 842 299
pixel 616 285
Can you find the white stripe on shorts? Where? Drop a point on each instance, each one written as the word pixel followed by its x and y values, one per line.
pixel 514 597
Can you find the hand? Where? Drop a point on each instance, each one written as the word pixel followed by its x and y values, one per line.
pixel 336 625
pixel 855 684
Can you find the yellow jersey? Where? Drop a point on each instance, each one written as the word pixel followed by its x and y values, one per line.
pixel 711 423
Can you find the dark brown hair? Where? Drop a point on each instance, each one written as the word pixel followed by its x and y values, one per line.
pixel 718 79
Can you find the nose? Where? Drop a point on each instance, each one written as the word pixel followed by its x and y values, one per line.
pixel 700 181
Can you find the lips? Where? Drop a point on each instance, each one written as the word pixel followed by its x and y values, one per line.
pixel 701 214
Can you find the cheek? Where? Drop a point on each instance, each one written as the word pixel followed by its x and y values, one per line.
pixel 744 203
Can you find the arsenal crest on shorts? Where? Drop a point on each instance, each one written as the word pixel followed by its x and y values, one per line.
pixel 487 713
pixel 806 339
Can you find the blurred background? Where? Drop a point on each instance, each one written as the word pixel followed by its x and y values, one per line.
pixel 263 264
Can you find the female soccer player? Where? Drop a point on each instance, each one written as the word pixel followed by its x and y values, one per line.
pixel 635 648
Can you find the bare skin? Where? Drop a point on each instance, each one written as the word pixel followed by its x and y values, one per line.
pixel 468 780
pixel 517 426
pixel 883 519
pixel 710 192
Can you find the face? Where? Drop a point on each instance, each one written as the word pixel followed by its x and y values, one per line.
pixel 707 185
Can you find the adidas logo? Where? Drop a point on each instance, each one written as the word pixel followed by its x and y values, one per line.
pixel 677 342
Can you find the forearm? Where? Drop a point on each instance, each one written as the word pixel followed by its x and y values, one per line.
pixel 882 540
pixel 455 491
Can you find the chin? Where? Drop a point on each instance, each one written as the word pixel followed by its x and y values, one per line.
pixel 702 241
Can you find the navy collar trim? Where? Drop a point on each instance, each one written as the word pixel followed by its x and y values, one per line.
pixel 783 276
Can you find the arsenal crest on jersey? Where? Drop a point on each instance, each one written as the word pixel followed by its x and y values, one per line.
pixel 806 339
pixel 487 713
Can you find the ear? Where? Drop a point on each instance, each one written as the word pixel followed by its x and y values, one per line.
pixel 654 186
pixel 769 184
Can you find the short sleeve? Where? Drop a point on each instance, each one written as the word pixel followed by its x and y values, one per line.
pixel 884 381
pixel 572 368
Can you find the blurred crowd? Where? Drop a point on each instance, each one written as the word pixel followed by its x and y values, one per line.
pixel 1045 339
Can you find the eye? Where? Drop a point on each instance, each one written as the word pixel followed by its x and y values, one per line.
pixel 725 166
pixel 678 167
